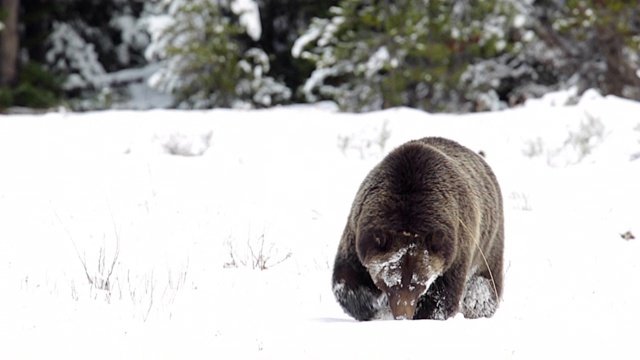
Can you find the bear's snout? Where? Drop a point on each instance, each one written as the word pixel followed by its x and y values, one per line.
pixel 404 300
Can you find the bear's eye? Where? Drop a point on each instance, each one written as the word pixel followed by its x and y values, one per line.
pixel 435 242
pixel 376 245
pixel 372 244
pixel 380 242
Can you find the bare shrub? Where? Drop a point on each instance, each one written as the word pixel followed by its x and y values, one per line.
pixel 369 142
pixel 533 148
pixel 258 254
pixel 636 156
pixel 520 201
pixel 99 279
pixel 141 292
pixel 579 143
pixel 175 282
pixel 185 145
pixel 589 134
pixel 107 281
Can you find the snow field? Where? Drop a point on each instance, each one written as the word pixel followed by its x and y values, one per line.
pixel 103 183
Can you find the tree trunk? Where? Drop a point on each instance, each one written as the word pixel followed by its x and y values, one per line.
pixel 620 76
pixel 10 44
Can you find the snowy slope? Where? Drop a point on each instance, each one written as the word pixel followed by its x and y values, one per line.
pixel 95 187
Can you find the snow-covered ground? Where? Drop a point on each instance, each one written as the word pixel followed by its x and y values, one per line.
pixel 169 241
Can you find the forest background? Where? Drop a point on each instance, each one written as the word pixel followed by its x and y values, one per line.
pixel 434 55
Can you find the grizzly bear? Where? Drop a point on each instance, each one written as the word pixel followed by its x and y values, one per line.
pixel 424 238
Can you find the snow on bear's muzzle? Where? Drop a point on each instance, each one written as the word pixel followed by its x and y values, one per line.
pixel 404 276
pixel 403 301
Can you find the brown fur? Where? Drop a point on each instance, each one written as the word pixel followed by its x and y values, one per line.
pixel 424 238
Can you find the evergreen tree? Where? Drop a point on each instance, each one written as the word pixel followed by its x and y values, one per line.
pixel 596 43
pixel 212 61
pixel 109 32
pixel 282 22
pixel 510 77
pixel 24 82
pixel 562 44
pixel 379 53
pixel 81 42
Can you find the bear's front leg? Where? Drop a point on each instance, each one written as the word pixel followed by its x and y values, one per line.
pixel 480 298
pixel 442 299
pixel 356 293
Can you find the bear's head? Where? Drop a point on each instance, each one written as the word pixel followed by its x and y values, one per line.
pixel 403 264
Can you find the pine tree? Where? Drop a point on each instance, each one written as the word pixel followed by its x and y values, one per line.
pixel 282 22
pixel 378 54
pixel 596 43
pixel 212 61
pixel 75 44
